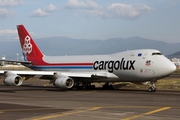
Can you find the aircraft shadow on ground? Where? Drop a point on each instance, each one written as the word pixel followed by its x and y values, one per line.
pixel 122 89
pixel 29 87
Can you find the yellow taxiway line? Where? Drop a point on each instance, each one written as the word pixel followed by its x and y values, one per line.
pixel 67 113
pixel 147 113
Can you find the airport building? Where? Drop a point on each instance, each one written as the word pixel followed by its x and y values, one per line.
pixel 176 61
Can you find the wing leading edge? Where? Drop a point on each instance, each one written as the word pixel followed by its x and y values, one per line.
pixel 69 74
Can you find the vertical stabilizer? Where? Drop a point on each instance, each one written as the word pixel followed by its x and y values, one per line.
pixel 29 47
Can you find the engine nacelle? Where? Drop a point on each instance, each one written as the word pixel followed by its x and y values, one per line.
pixel 64 82
pixel 13 80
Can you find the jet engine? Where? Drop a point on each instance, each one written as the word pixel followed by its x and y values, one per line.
pixel 64 82
pixel 13 80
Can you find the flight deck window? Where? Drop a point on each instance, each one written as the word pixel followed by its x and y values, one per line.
pixel 156 53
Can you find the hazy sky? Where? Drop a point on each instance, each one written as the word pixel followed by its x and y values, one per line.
pixel 92 19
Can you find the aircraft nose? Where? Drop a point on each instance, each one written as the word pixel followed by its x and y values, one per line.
pixel 166 67
pixel 171 67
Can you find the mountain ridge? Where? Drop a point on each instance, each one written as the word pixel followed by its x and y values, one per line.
pixel 69 46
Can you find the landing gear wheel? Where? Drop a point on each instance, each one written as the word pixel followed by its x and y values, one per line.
pixel 106 86
pixel 93 87
pixel 152 89
pixel 110 87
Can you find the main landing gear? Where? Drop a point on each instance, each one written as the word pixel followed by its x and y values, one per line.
pixel 106 86
pixel 153 87
pixel 88 86
pixel 83 86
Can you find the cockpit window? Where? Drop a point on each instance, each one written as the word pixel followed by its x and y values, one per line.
pixel 157 53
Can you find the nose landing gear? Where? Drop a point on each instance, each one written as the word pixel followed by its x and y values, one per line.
pixel 153 87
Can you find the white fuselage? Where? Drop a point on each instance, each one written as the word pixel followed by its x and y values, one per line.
pixel 134 65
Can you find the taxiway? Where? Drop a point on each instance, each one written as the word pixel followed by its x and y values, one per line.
pixel 35 100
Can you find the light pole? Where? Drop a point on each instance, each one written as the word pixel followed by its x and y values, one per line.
pixel 17 56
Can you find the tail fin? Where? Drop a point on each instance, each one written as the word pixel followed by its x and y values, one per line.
pixel 29 47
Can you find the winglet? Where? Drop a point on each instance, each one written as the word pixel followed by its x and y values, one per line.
pixel 29 47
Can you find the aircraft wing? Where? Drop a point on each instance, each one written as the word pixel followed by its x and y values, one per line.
pixel 48 74
pixel 15 61
pixel 89 74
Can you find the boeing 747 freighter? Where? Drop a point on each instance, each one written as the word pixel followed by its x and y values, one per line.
pixel 81 71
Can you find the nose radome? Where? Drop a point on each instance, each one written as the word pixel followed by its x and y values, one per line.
pixel 171 68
